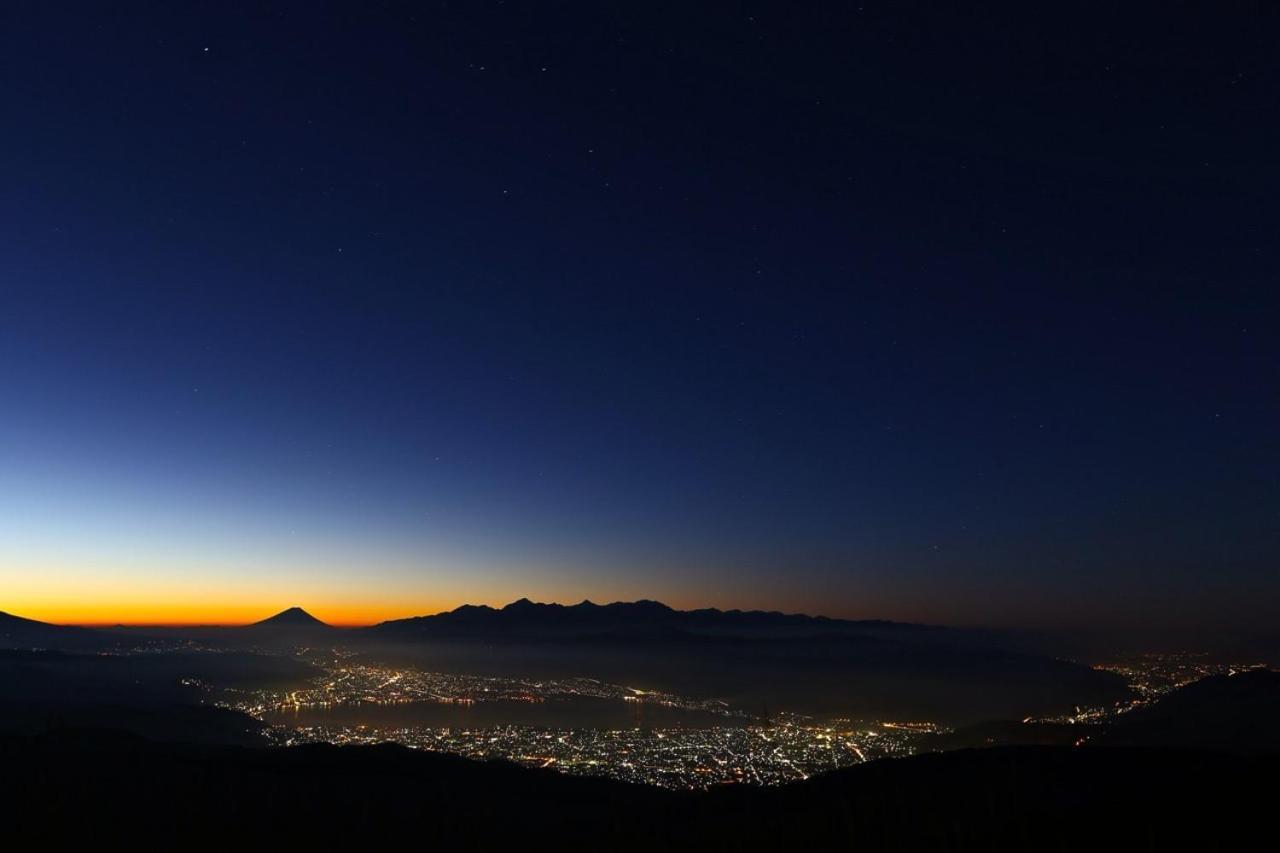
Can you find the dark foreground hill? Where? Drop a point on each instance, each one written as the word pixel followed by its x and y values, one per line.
pixel 65 784
pixel 149 694
pixel 74 786
pixel 1238 712
pixel 1228 713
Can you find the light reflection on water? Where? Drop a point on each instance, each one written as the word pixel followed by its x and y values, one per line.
pixel 571 712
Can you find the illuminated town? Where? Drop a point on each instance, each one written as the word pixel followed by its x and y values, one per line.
pixel 673 758
pixel 736 749
pixel 348 682
pixel 726 746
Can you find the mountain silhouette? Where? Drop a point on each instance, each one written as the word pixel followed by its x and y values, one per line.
pixel 643 616
pixel 9 621
pixel 19 632
pixel 294 617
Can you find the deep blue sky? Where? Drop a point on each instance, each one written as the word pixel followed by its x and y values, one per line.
pixel 886 310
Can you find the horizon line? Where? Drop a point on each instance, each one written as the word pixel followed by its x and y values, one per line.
pixel 101 624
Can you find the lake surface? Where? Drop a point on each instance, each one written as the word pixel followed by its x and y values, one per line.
pixel 571 712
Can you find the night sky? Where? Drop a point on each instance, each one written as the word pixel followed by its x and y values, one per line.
pixel 893 310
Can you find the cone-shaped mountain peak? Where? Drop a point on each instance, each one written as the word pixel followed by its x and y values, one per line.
pixel 294 617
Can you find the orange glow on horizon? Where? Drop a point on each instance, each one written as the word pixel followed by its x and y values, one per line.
pixel 180 614
pixel 158 612
pixel 158 593
pixel 180 608
pixel 108 599
pixel 212 615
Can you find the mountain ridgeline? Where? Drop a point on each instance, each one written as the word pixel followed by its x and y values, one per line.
pixel 18 632
pixel 753 659
pixel 526 619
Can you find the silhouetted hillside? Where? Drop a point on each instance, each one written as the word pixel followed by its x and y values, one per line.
pixel 1234 712
pixel 19 633
pixel 71 781
pixel 526 619
pixel 149 695
pixel 78 785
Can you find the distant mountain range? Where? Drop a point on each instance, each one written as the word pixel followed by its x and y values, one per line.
pixel 753 659
pixel 527 618
pixel 18 632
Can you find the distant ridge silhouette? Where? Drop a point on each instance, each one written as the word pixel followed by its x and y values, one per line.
pixel 626 616
pixel 10 619
pixel 294 617
pixel 20 632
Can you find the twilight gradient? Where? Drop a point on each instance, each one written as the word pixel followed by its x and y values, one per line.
pixel 382 312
